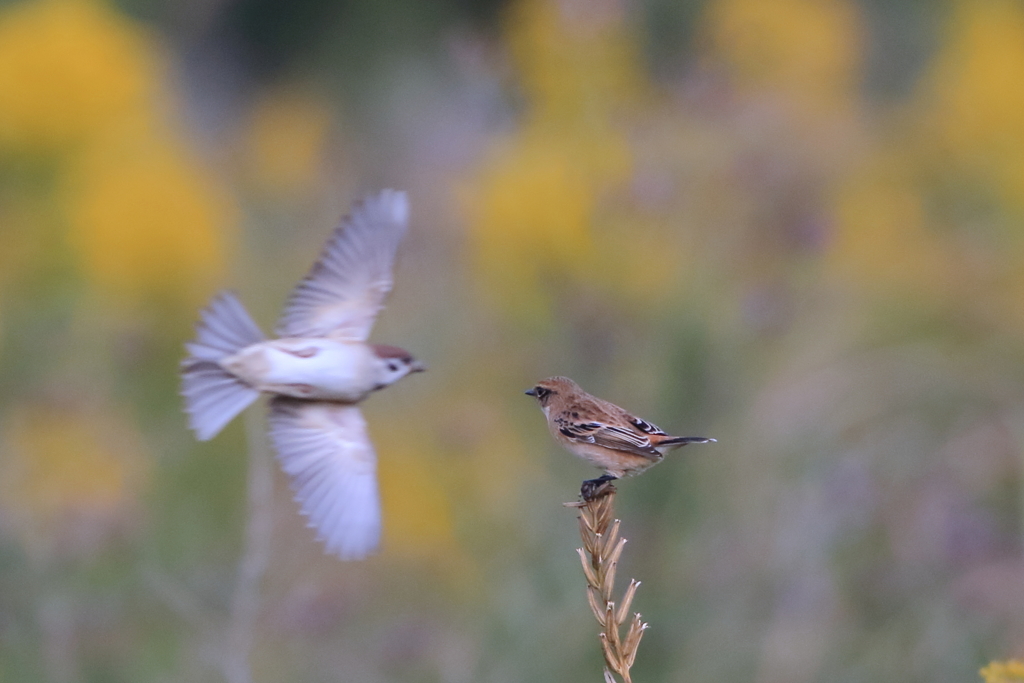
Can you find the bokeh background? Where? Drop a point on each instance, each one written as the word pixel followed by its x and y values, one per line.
pixel 796 226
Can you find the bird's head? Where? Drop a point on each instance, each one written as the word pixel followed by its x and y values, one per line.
pixel 394 363
pixel 546 389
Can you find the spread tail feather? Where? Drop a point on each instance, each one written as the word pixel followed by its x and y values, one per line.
pixel 213 396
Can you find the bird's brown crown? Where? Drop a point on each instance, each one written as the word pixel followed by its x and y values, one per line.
pixel 553 386
pixel 388 351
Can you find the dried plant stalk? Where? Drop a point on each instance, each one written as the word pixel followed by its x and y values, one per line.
pixel 599 555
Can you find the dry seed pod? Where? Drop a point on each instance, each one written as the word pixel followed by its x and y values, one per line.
pixel 599 556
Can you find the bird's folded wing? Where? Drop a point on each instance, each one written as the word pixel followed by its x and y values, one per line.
pixel 326 452
pixel 347 286
pixel 609 436
pixel 645 426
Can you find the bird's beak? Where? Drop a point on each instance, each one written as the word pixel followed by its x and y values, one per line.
pixel 530 392
pixel 417 366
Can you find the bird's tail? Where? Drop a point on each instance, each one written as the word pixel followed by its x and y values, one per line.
pixel 673 442
pixel 214 396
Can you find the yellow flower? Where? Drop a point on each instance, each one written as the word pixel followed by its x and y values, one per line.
pixel 419 517
pixel 975 97
pixel 149 222
pixel 531 215
pixel 973 114
pixel 1011 671
pixel 808 51
pixel 573 65
pixel 546 210
pixel 882 240
pixel 67 69
pixel 68 465
pixel 287 139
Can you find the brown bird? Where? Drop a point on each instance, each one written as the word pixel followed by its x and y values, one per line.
pixel 602 433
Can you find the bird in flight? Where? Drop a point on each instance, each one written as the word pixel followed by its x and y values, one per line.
pixel 317 371
pixel 602 433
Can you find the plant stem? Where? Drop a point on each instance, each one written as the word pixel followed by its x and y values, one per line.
pixel 599 556
pixel 245 603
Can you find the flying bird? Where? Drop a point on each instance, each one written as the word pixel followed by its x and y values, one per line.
pixel 317 371
pixel 602 433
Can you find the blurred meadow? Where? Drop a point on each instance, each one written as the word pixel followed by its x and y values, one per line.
pixel 796 226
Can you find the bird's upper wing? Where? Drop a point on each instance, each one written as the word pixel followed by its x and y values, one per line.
pixel 619 438
pixel 347 286
pixel 326 452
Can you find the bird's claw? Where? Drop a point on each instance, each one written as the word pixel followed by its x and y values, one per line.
pixel 592 489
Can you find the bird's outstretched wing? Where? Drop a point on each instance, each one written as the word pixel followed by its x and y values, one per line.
pixel 610 436
pixel 347 286
pixel 326 452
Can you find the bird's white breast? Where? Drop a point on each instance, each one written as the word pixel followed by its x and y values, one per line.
pixel 313 368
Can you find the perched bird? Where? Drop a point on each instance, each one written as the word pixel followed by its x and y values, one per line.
pixel 317 371
pixel 602 433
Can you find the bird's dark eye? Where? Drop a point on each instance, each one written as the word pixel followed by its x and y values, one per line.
pixel 542 392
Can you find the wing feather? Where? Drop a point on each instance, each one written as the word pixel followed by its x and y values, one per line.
pixel 609 436
pixel 326 452
pixel 645 426
pixel 346 288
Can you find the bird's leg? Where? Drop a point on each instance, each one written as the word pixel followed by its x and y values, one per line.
pixel 595 488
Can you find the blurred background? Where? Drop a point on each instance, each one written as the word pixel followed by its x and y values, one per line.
pixel 796 226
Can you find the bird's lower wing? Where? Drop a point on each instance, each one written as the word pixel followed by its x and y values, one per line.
pixel 325 450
